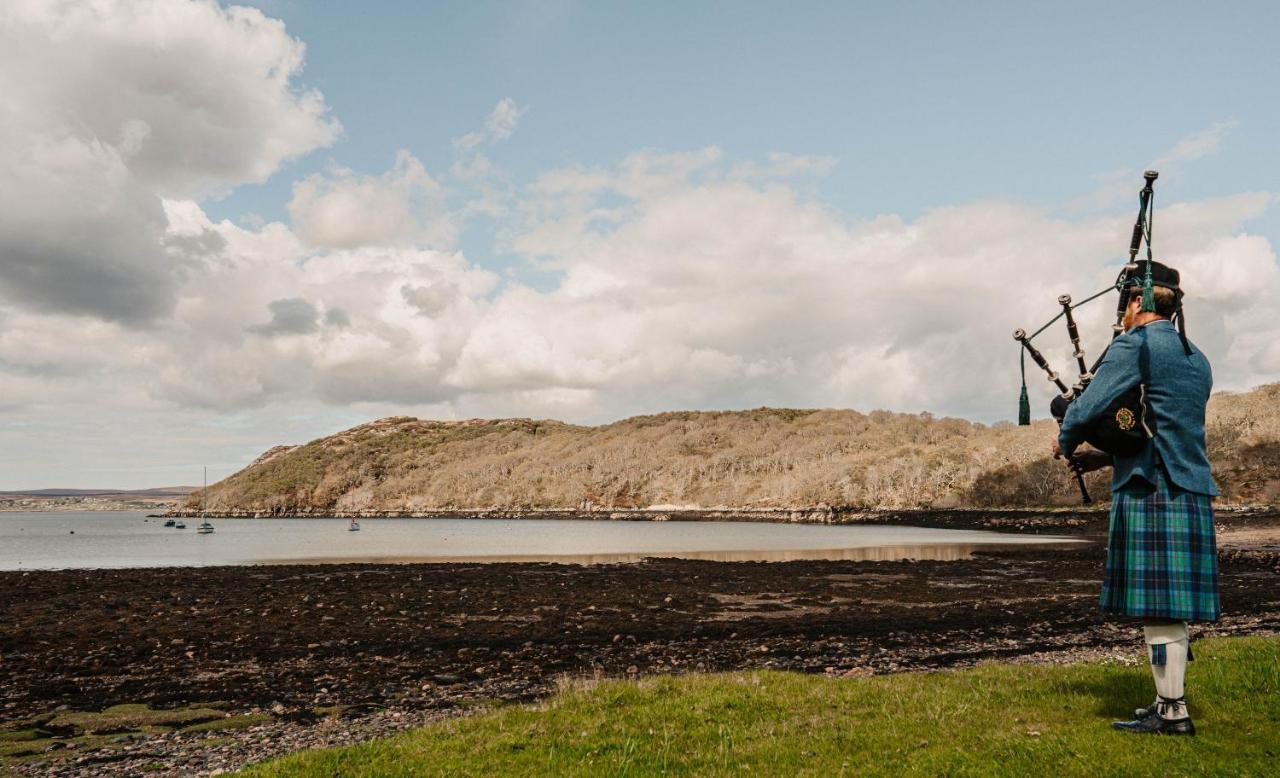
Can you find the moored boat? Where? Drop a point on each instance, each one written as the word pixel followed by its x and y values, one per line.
pixel 205 527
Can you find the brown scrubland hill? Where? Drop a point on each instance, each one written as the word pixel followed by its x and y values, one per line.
pixel 764 458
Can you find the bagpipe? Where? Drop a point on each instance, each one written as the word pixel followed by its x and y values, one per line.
pixel 1126 426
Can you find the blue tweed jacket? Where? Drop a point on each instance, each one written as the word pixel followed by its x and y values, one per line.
pixel 1177 389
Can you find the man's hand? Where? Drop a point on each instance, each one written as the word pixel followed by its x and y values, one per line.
pixel 1089 459
pixel 1086 459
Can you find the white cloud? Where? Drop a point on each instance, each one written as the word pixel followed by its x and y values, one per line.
pixel 1118 186
pixel 406 206
pixel 1196 145
pixel 273 321
pixel 701 292
pixel 706 290
pixel 469 141
pixel 784 165
pixel 498 126
pixel 343 209
pixel 680 286
pixel 503 118
pixel 289 316
pixel 109 107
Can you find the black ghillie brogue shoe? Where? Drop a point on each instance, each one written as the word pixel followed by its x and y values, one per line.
pixel 1156 725
pixel 1151 720
pixel 1142 713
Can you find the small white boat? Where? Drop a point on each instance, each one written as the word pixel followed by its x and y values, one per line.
pixel 205 527
pixel 180 525
pixel 355 526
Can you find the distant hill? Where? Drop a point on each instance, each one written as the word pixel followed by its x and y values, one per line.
pixel 764 458
pixel 163 491
pixel 94 499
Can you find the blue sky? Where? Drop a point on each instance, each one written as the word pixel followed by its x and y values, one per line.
pixel 227 228
pixel 922 104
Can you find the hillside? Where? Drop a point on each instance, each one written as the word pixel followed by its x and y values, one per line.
pixel 764 458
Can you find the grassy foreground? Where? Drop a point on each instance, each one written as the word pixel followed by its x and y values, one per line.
pixel 992 720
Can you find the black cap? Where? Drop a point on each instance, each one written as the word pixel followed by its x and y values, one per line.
pixel 1161 275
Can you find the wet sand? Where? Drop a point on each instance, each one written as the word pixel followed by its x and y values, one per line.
pixel 932 551
pixel 402 643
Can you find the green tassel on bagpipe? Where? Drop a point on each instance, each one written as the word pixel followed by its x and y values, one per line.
pixel 1148 296
pixel 1024 404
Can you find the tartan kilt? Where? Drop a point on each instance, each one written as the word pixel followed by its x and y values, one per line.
pixel 1162 555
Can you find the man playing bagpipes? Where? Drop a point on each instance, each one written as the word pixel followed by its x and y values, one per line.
pixel 1144 402
pixel 1162 559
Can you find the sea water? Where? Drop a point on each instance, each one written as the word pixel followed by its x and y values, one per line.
pixel 44 540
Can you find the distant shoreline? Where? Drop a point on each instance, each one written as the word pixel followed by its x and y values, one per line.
pixel 84 507
pixel 69 500
pixel 1055 521
pixel 1083 520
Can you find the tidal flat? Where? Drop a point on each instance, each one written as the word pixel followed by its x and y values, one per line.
pixel 301 656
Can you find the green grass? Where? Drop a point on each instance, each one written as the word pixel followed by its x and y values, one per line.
pixel 132 717
pixel 992 720
pixel 26 741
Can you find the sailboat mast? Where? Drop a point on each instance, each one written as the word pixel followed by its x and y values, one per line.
pixel 205 527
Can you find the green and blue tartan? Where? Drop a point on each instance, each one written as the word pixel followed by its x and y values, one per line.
pixel 1162 555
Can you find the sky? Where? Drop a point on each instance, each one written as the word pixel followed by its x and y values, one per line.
pixel 228 227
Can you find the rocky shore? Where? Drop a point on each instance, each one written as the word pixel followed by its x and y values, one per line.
pixel 1050 521
pixel 199 670
pixel 1062 521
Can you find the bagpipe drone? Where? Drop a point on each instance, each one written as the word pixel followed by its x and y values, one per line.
pixel 1126 426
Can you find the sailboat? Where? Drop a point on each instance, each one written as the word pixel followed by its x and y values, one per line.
pixel 205 527
pixel 355 526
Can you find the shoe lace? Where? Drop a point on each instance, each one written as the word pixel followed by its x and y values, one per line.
pixel 1166 705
